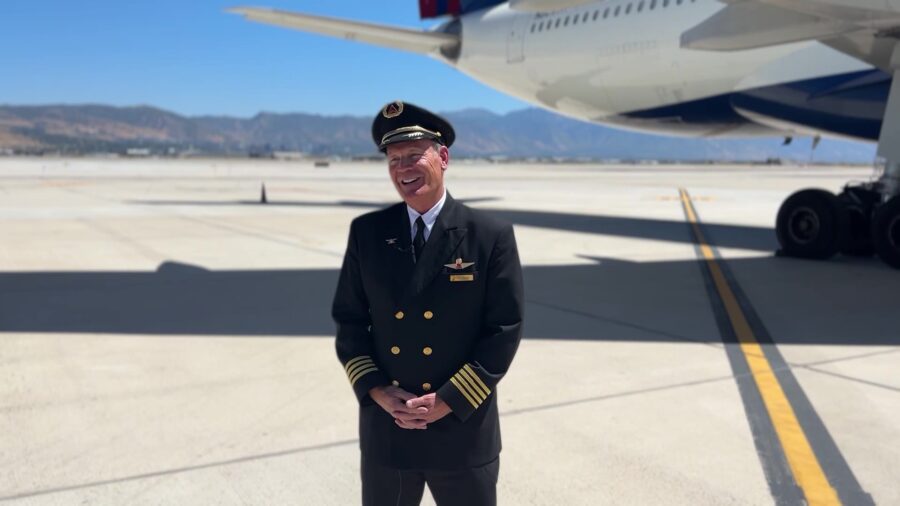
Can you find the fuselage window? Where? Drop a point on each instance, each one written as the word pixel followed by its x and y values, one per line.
pixel 596 13
pixel 606 13
pixel 678 2
pixel 533 28
pixel 665 3
pixel 575 20
pixel 584 18
pixel 652 4
pixel 558 21
pixel 566 22
pixel 628 9
pixel 640 6
pixel 618 9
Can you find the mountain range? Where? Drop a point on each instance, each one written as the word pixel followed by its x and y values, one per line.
pixel 527 133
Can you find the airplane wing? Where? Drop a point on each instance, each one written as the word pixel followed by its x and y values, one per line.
pixel 865 29
pixel 381 35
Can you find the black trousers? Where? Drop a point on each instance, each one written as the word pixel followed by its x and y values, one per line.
pixel 383 486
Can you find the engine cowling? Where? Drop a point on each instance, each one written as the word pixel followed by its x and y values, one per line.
pixel 849 101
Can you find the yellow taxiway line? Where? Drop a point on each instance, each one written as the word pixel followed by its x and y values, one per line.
pixel 801 458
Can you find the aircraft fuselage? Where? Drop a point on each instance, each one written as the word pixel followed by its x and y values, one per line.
pixel 630 70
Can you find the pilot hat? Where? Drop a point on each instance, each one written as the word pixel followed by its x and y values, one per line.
pixel 401 121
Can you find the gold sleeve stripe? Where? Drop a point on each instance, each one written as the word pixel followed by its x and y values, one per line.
pixel 355 360
pixel 359 365
pixel 476 392
pixel 472 381
pixel 356 363
pixel 361 373
pixel 465 394
pixel 477 378
pixel 471 389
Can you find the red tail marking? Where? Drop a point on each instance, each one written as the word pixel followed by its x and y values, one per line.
pixel 428 8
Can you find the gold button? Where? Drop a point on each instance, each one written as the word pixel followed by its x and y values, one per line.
pixel 426 350
pixel 395 350
pixel 426 386
pixel 395 383
pixel 428 315
pixel 399 315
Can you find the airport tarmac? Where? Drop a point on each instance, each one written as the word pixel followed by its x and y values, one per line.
pixel 166 339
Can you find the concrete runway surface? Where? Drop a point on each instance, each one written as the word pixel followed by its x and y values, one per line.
pixel 165 339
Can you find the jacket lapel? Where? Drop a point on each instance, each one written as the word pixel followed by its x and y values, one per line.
pixel 445 238
pixel 399 253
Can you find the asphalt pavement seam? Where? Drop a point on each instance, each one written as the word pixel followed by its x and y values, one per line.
pixel 179 470
pixel 851 378
pixel 622 323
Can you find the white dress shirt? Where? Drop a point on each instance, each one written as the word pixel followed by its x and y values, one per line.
pixel 430 217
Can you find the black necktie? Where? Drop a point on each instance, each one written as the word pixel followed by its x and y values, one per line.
pixel 419 239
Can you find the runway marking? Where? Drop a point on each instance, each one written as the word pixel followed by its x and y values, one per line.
pixel 804 465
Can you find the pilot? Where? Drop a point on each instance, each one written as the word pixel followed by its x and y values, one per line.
pixel 429 308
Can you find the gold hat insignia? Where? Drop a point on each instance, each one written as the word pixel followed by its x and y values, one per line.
pixel 393 110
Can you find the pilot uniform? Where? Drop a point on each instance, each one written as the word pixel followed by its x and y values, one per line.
pixel 448 322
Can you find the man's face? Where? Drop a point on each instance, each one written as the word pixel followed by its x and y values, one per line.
pixel 417 170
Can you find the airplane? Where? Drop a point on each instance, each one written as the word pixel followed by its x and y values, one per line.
pixel 705 68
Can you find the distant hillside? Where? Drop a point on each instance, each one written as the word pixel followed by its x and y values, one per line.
pixel 527 133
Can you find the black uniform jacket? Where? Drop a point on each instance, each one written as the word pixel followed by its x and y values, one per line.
pixel 449 323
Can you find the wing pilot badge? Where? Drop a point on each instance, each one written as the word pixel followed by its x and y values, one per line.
pixel 459 264
pixel 391 241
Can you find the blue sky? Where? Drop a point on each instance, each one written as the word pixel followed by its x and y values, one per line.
pixel 193 58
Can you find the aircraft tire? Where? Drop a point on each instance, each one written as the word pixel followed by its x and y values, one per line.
pixel 859 204
pixel 812 224
pixel 886 232
pixel 859 238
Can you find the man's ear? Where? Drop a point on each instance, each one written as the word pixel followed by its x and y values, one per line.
pixel 445 156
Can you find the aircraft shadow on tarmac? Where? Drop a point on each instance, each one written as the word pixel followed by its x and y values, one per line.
pixel 726 235
pixel 847 301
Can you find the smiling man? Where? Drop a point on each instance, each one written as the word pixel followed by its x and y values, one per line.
pixel 429 316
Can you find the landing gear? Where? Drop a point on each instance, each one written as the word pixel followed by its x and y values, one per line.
pixel 812 224
pixel 864 218
pixel 859 201
pixel 886 232
pixel 817 224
